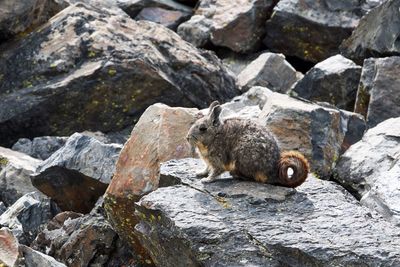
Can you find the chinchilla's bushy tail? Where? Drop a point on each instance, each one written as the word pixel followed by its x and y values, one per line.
pixel 298 163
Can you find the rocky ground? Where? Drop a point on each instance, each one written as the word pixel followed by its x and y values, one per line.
pixel 97 96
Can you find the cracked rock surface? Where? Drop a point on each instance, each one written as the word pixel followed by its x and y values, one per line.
pixel 235 223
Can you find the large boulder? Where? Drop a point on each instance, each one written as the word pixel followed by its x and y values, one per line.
pixel 313 30
pixel 237 25
pixel 376 35
pixel 371 169
pixel 237 223
pixel 269 70
pixel 318 131
pixel 77 174
pixel 158 136
pixel 15 171
pixel 93 68
pixel 334 80
pixel 378 94
pixel 21 17
pixel 39 147
pixel 28 215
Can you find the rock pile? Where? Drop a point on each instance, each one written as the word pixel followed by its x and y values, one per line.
pixel 97 96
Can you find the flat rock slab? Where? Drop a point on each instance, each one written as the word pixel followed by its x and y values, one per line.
pixel 234 223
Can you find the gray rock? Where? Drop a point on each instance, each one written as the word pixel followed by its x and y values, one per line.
pixel 238 26
pixel 312 30
pixel 123 65
pixel 133 7
pixel 21 17
pixel 377 34
pixel 236 223
pixel 78 173
pixel 33 258
pixel 378 94
pixel 28 215
pixel 168 18
pixel 269 70
pixel 320 131
pixel 237 62
pixel 3 208
pixel 78 240
pixel 40 147
pixel 371 169
pixel 334 80
pixel 15 171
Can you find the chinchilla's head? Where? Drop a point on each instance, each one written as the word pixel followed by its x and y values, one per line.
pixel 204 129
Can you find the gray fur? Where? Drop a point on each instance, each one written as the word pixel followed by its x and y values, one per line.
pixel 247 146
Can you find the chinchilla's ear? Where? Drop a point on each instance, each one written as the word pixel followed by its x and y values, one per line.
pixel 214 112
pixel 212 105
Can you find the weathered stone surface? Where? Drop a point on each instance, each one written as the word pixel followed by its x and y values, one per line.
pixel 40 147
pixel 371 169
pixel 378 94
pixel 94 69
pixel 28 215
pixel 269 70
pixel 312 30
pixel 77 174
pixel 21 17
pixel 133 7
pixel 3 208
pixel 236 223
pixel 317 131
pixel 168 18
pixel 8 247
pixel 236 62
pixel 15 171
pixel 376 35
pixel 33 258
pixel 334 80
pixel 158 136
pixel 238 25
pixel 78 240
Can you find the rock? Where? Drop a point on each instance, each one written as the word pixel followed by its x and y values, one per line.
pixel 237 25
pixel 317 131
pixel 77 174
pixel 312 30
pixel 133 7
pixel 40 147
pixel 256 95
pixel 236 62
pixel 188 2
pixel 8 247
pixel 158 136
pixel 334 80
pixel 371 169
pixel 3 208
pixel 237 223
pixel 28 215
pixel 376 35
pixel 81 240
pixel 20 18
pixel 378 94
pixel 123 65
pixel 15 170
pixel 33 258
pixel 168 18
pixel 269 70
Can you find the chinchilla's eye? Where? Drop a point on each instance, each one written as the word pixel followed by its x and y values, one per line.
pixel 203 128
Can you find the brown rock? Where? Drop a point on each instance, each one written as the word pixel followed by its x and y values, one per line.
pixel 8 248
pixel 158 136
pixel 168 18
